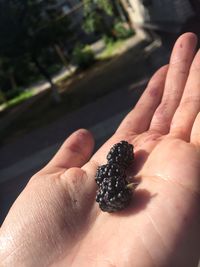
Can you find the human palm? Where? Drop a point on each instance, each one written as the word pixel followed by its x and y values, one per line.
pixel 56 221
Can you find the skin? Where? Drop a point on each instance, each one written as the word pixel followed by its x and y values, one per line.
pixel 56 221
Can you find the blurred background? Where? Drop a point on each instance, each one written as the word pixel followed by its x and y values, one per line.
pixel 68 64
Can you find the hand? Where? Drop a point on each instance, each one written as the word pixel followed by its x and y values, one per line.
pixel 56 221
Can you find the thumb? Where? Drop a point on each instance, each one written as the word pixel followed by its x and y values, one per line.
pixel 74 152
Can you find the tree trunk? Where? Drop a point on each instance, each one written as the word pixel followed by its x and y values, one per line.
pixel 119 10
pixel 62 57
pixel 60 54
pixel 127 10
pixel 55 94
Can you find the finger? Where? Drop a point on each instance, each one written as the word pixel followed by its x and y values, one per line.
pixel 138 120
pixel 189 107
pixel 195 134
pixel 74 152
pixel 180 61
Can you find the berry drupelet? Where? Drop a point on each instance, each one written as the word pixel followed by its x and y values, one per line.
pixel 113 194
pixel 121 153
pixel 108 170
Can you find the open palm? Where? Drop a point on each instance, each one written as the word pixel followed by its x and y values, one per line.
pixel 56 221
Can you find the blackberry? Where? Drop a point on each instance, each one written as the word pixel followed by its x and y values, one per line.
pixel 121 153
pixel 108 170
pixel 113 194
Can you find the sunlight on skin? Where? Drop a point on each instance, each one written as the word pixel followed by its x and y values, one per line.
pixel 56 222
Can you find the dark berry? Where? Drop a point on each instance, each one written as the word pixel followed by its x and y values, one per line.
pixel 121 153
pixel 108 170
pixel 113 194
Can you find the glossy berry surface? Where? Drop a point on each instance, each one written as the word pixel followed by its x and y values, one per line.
pixel 108 170
pixel 121 153
pixel 113 194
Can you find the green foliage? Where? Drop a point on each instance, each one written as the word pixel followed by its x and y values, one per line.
pixel 13 93
pixel 111 49
pixel 92 22
pixel 105 5
pixel 121 30
pixel 83 56
pixel 19 98
pixel 95 12
pixel 107 39
pixel 27 31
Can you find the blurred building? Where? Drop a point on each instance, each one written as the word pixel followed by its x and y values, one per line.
pixel 163 16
